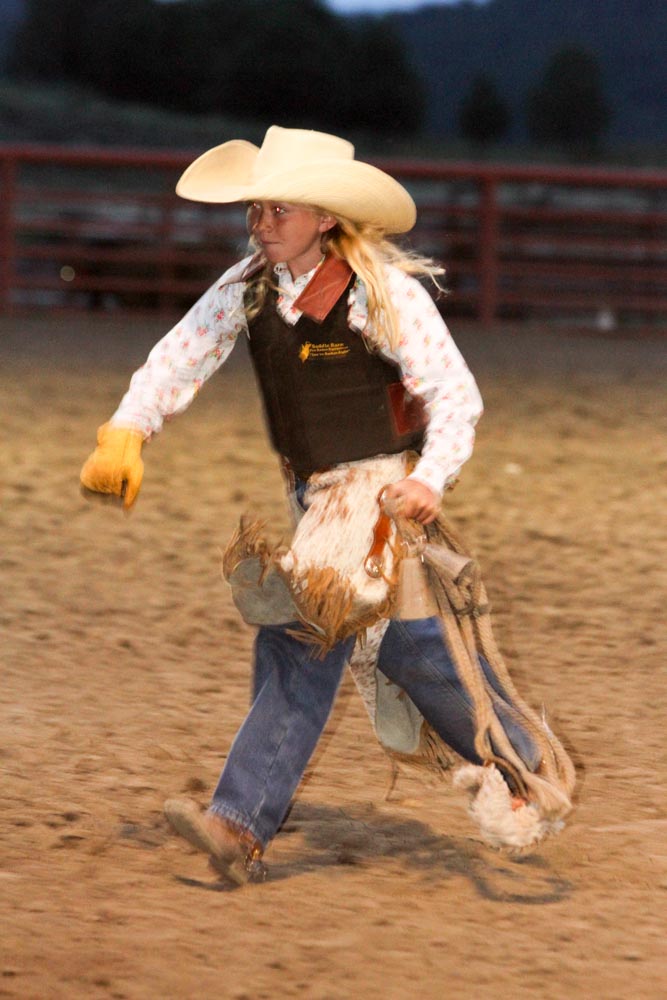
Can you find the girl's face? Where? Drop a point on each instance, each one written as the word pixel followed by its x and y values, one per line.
pixel 288 234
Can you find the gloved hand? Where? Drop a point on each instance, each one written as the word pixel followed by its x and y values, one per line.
pixel 115 466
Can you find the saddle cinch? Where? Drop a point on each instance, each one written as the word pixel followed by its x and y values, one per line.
pixel 353 564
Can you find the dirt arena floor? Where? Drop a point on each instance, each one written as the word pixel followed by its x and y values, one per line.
pixel 125 676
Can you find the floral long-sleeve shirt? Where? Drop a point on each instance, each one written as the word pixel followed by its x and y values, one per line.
pixel 430 364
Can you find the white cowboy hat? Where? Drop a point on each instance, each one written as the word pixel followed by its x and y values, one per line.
pixel 298 165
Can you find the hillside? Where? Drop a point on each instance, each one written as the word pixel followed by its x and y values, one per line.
pixel 512 41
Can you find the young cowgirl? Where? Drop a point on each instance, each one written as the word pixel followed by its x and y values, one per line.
pixel 344 340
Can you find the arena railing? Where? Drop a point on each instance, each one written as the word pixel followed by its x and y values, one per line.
pixel 101 229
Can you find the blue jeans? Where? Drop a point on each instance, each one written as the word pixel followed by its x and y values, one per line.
pixel 294 693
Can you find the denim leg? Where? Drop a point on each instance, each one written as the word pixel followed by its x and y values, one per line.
pixel 295 693
pixel 414 655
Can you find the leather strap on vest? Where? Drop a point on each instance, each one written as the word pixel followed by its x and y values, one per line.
pixel 324 289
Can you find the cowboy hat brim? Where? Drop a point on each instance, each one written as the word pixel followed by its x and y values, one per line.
pixel 344 187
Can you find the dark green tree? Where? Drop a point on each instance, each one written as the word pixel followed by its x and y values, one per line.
pixel 292 61
pixel 388 93
pixel 123 49
pixel 282 62
pixel 48 43
pixel 483 115
pixel 568 106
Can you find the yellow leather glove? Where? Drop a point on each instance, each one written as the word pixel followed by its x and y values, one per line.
pixel 115 466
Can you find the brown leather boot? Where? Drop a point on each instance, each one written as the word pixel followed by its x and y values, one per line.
pixel 233 852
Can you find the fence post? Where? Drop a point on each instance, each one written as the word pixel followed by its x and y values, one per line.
pixel 488 249
pixel 7 186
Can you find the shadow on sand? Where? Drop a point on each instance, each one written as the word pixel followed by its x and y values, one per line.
pixel 327 837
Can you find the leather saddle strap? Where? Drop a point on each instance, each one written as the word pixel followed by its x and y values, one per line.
pixel 374 561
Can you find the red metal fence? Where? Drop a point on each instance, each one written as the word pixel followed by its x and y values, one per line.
pixel 102 229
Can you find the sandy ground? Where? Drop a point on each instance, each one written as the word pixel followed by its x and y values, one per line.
pixel 125 676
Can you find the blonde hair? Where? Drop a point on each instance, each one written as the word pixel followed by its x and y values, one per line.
pixel 368 252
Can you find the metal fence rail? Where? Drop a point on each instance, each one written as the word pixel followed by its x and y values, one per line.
pixel 103 229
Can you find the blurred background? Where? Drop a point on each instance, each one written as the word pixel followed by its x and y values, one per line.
pixel 532 133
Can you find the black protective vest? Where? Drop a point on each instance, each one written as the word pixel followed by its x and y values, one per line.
pixel 327 399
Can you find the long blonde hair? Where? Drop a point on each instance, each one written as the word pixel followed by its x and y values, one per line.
pixel 368 252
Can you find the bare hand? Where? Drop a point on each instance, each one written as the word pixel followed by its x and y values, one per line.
pixel 418 500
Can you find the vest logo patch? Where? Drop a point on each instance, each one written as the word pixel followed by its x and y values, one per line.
pixel 318 352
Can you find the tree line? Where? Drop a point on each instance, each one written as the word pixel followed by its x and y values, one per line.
pixel 566 107
pixel 288 60
pixel 292 60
